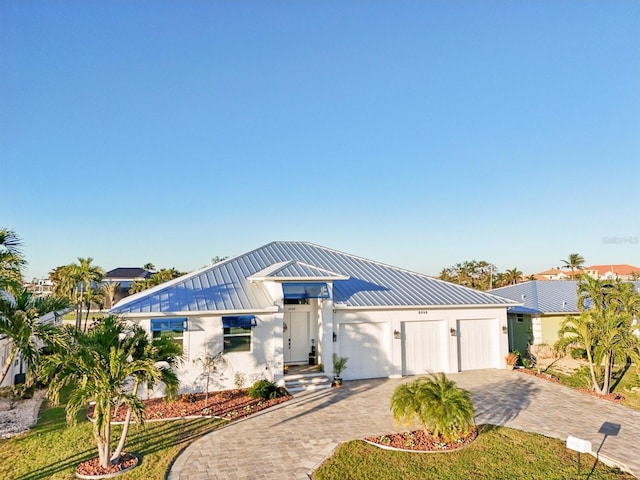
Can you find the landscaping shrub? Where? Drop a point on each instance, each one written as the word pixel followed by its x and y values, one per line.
pixel 578 353
pixel 264 389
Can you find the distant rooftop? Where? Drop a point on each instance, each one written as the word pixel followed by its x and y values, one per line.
pixel 127 273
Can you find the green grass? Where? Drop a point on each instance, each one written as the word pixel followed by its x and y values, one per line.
pixel 52 450
pixel 497 453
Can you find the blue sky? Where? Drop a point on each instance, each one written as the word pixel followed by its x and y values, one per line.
pixel 417 133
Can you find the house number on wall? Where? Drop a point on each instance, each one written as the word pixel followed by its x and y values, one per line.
pixel 422 312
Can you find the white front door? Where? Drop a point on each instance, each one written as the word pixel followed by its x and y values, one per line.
pixel 297 338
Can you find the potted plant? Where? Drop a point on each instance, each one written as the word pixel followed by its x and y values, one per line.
pixel 339 364
pixel 512 359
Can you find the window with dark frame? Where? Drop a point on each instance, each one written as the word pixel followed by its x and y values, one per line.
pixel 236 333
pixel 172 328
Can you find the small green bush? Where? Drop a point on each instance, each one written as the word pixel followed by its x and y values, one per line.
pixel 578 353
pixel 264 389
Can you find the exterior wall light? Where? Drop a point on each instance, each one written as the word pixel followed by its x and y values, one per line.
pixel 335 337
pixel 504 329
pixel 453 332
pixel 396 334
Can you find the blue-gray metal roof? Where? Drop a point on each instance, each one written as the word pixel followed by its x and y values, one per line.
pixel 540 296
pixel 544 296
pixel 226 286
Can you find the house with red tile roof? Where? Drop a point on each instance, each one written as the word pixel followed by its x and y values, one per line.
pixel 610 272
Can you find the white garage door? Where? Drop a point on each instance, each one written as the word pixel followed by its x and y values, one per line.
pixel 478 344
pixel 366 346
pixel 425 347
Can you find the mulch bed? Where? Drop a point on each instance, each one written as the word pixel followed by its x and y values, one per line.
pixel 421 441
pixel 92 467
pixel 612 397
pixel 228 404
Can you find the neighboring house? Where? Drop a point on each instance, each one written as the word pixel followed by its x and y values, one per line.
pixel 125 276
pixel 40 287
pixel 554 274
pixel 17 371
pixel 291 303
pixel 544 306
pixel 611 272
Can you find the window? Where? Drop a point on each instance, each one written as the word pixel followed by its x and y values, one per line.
pixel 305 290
pixel 519 318
pixel 173 328
pixel 237 333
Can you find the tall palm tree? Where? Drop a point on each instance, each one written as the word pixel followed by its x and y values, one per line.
pixel 77 281
pixel 19 321
pixel 11 260
pixel 513 276
pixel 574 262
pixel 97 365
pixel 110 290
pixel 437 404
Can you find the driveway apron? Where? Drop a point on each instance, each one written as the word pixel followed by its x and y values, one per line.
pixel 290 441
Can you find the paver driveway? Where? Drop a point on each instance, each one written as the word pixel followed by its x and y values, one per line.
pixel 290 441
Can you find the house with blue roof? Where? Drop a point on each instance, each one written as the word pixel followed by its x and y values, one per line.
pixel 544 305
pixel 297 303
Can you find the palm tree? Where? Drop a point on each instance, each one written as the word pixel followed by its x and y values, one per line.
pixel 437 404
pixel 77 281
pixel 513 276
pixel 96 365
pixel 110 290
pixel 149 266
pixel 167 354
pixel 574 262
pixel 11 260
pixel 604 329
pixel 19 321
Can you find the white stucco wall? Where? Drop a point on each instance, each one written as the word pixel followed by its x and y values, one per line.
pixel 205 337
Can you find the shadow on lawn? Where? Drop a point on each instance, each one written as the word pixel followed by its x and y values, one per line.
pixel 138 443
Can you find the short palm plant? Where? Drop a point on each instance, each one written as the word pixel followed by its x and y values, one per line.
pixel 439 406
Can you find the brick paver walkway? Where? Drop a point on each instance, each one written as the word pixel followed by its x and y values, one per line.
pixel 290 441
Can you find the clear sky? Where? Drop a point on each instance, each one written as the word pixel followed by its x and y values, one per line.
pixel 417 133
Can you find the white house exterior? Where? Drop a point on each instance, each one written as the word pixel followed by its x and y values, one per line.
pixel 290 303
pixel 17 370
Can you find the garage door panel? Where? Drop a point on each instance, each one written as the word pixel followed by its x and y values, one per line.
pixel 424 347
pixel 477 344
pixel 364 345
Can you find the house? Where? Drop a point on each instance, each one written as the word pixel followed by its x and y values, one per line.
pixel 124 277
pixel 554 274
pixel 291 303
pixel 18 370
pixel 611 272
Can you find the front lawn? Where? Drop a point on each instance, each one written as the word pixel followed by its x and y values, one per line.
pixel 51 450
pixel 497 453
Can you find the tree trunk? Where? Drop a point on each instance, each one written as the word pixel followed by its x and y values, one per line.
pixel 123 437
pixel 592 371
pixel 607 374
pixel 125 427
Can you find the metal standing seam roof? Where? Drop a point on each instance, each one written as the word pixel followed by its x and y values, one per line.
pixel 227 286
pixel 542 296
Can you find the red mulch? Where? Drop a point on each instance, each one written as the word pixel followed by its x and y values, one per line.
pixel 92 467
pixel 612 397
pixel 542 375
pixel 419 440
pixel 229 404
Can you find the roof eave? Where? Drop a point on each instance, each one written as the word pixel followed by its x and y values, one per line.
pixel 205 313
